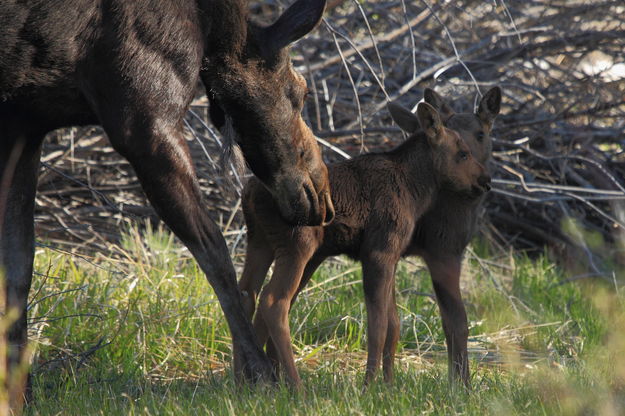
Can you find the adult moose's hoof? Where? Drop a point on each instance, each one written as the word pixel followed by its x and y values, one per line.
pixel 258 368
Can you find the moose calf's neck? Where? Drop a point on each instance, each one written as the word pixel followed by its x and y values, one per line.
pixel 417 185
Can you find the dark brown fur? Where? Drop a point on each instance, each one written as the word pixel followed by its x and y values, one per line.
pixel 133 67
pixel 379 199
pixel 443 233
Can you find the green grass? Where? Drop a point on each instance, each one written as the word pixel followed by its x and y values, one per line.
pixel 141 332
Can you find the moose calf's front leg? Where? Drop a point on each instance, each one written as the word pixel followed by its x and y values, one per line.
pixel 275 303
pixel 446 280
pixel 377 274
pixel 392 335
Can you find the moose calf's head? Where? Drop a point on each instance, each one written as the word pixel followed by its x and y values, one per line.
pixel 453 164
pixel 256 98
pixel 474 128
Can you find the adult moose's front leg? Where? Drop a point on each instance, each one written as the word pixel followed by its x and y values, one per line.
pixel 162 162
pixel 378 279
pixel 445 274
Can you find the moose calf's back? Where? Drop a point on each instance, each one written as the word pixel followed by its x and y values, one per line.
pixel 372 192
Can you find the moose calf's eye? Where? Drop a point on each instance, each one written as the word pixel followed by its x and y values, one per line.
pixel 462 155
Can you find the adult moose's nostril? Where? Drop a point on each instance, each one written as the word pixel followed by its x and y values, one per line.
pixel 329 209
pixel 314 214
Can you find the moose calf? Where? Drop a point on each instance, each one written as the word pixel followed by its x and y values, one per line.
pixel 378 200
pixel 442 234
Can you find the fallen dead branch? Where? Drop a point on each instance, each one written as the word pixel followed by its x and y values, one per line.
pixel 558 150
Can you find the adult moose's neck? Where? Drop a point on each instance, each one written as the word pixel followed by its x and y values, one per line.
pixel 225 27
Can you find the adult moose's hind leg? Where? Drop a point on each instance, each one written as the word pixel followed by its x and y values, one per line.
pixel 164 167
pixel 19 163
pixel 446 281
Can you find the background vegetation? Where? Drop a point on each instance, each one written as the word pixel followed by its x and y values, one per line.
pixel 142 333
pixel 122 321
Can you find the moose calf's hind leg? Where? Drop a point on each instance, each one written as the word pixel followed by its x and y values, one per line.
pixel 275 303
pixel 311 267
pixel 258 259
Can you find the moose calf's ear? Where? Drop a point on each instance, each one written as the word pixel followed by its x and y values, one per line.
pixel 404 118
pixel 299 19
pixel 490 105
pixel 430 122
pixel 435 100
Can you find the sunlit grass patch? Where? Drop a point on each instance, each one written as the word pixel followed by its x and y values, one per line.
pixel 141 332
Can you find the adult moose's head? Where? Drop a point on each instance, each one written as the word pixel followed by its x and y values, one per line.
pixel 256 99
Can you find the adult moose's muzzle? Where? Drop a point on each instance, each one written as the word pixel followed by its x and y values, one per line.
pixel 301 202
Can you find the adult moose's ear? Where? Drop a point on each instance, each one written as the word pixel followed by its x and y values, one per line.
pixel 435 100
pixel 215 112
pixel 430 122
pixel 299 19
pixel 404 118
pixel 489 106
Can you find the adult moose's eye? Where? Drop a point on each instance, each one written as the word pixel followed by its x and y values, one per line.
pixel 480 136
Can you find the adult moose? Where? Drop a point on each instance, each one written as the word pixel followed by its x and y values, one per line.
pixel 133 67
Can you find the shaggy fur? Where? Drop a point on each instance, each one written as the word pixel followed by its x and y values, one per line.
pixel 133 67
pixel 379 199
